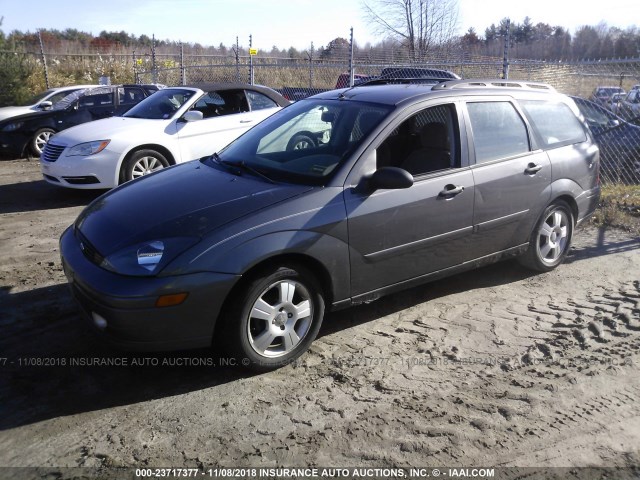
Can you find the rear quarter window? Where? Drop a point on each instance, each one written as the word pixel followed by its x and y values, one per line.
pixel 555 123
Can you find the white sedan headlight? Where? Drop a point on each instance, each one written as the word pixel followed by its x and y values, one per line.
pixel 89 148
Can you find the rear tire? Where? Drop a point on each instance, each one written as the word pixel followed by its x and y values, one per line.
pixel 551 238
pixel 273 319
pixel 141 163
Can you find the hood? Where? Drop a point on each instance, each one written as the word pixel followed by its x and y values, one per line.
pixel 108 128
pixel 28 114
pixel 8 112
pixel 190 200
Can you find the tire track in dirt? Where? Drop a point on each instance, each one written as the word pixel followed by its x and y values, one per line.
pixel 551 347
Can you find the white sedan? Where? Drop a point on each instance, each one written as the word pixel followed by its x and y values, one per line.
pixel 174 125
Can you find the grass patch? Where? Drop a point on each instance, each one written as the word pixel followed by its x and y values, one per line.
pixel 619 208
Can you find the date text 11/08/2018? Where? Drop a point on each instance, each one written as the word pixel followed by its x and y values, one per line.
pixel 300 473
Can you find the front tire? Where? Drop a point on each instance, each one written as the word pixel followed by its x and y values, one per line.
pixel 274 319
pixel 551 239
pixel 39 140
pixel 141 163
pixel 301 141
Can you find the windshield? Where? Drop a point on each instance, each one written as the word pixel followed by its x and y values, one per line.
pixel 69 99
pixel 161 105
pixel 307 141
pixel 596 116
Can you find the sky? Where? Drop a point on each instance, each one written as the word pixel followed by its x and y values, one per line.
pixel 284 23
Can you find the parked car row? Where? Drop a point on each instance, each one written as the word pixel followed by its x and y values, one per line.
pixel 28 133
pixel 621 103
pixel 175 125
pixel 394 185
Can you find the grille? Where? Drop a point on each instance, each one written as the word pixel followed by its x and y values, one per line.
pixel 52 152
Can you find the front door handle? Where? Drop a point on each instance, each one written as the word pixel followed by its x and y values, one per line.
pixel 532 169
pixel 451 191
pixel 246 121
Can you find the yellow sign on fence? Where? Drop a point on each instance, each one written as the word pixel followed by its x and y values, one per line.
pixel 253 51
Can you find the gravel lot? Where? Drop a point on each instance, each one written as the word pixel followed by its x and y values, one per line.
pixel 497 367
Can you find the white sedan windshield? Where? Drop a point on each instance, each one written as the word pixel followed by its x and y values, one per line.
pixel 161 105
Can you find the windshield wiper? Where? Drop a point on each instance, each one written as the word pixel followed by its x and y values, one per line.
pixel 241 166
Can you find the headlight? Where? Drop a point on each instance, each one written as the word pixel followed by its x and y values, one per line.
pixel 147 258
pixel 12 127
pixel 89 148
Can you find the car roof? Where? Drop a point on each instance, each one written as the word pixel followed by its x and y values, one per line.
pixel 207 87
pixel 395 94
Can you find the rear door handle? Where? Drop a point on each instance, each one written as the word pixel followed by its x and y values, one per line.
pixel 532 169
pixel 451 191
pixel 246 121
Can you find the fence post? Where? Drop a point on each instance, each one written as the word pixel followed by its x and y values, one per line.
pixel 183 73
pixel 135 70
pixel 44 61
pixel 250 60
pixel 351 58
pixel 311 67
pixel 154 69
pixel 505 56
pixel 236 51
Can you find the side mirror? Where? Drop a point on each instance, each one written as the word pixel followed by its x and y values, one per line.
pixel 192 116
pixel 46 105
pixel 390 178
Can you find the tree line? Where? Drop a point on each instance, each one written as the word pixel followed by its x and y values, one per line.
pixel 527 40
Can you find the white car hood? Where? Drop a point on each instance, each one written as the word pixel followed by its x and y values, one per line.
pixel 110 128
pixel 8 112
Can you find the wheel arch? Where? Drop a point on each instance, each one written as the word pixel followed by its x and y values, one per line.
pixel 146 146
pixel 269 264
pixel 573 205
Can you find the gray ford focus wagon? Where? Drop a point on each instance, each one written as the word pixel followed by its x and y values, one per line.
pixel 335 200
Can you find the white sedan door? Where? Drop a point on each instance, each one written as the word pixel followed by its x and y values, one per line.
pixel 227 115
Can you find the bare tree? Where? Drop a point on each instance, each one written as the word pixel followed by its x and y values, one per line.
pixel 420 25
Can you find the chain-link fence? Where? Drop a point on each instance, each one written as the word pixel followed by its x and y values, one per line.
pixel 613 120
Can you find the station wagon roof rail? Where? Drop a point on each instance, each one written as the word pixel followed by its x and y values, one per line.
pixel 492 83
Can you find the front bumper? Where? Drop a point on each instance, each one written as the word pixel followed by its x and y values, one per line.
pixel 99 171
pixel 13 144
pixel 127 304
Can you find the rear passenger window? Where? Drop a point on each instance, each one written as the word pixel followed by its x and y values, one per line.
pixel 555 122
pixel 498 131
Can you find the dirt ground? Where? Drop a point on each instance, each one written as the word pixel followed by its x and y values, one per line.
pixel 497 367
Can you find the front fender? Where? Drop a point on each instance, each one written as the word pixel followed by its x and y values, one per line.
pixel 317 248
